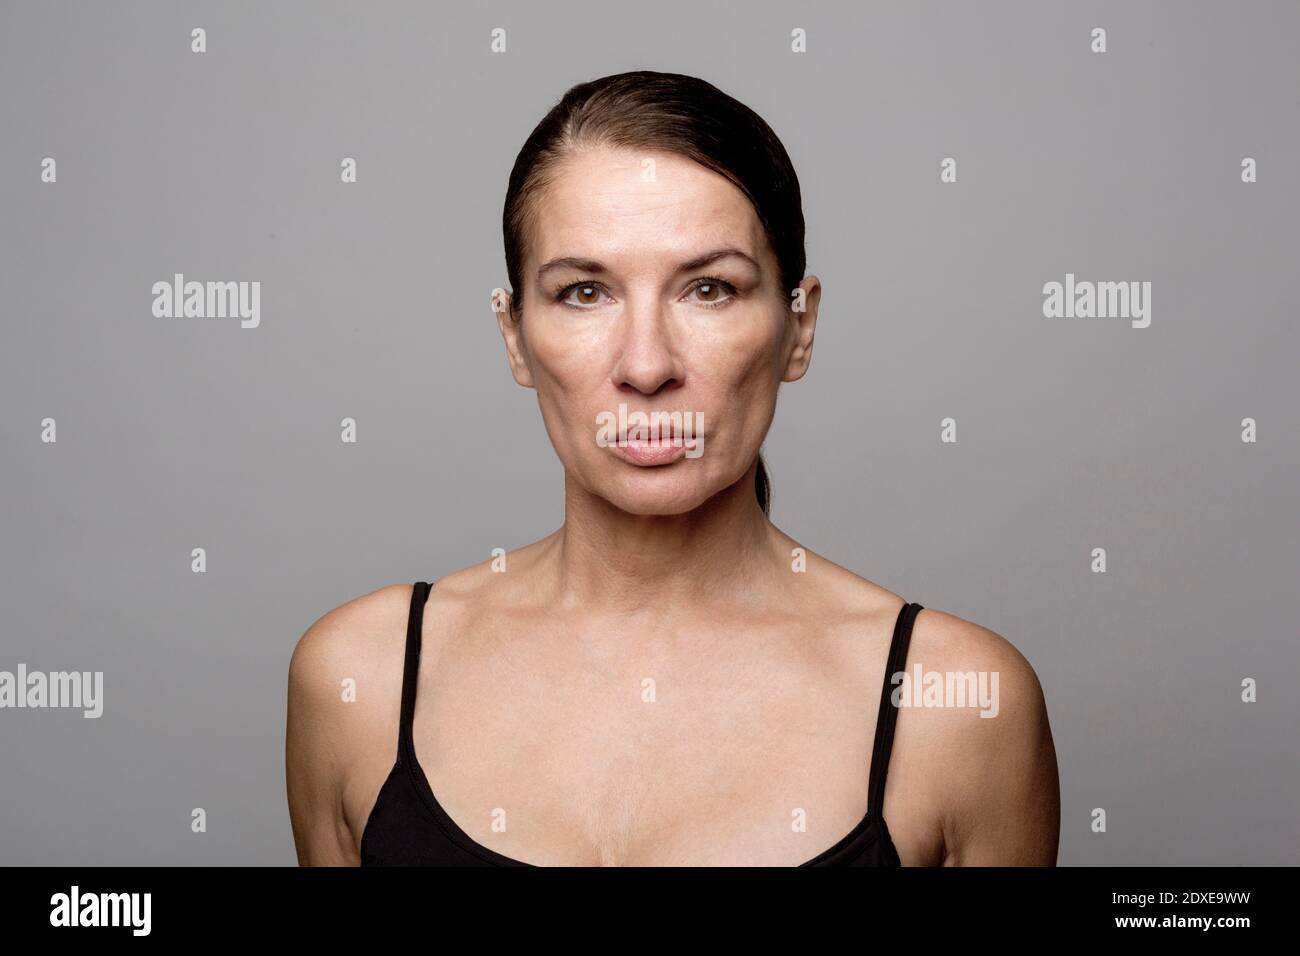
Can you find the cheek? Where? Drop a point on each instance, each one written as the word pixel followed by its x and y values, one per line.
pixel 738 377
pixel 746 359
pixel 564 357
pixel 569 363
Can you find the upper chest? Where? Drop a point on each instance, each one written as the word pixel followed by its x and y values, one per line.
pixel 726 745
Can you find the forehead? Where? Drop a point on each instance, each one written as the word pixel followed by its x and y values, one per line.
pixel 606 203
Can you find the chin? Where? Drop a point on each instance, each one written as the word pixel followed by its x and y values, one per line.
pixel 648 493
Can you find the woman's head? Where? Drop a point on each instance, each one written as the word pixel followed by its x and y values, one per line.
pixel 654 244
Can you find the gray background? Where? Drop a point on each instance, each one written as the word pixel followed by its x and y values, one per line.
pixel 1073 434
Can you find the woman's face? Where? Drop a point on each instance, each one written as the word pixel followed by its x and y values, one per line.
pixel 621 308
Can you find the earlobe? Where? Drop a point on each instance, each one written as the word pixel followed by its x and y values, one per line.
pixel 519 368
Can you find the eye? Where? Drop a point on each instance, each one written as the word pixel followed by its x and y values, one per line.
pixel 713 292
pixel 588 294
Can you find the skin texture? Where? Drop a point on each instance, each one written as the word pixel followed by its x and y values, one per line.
pixel 532 693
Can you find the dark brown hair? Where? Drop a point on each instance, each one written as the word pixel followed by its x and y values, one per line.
pixel 676 113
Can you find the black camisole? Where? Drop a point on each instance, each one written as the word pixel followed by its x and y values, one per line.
pixel 408 827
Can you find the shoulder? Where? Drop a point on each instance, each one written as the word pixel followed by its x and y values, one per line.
pixel 351 638
pixel 973 751
pixel 364 638
pixel 343 699
pixel 948 654
pixel 345 683
pixel 939 641
pixel 989 743
pixel 948 642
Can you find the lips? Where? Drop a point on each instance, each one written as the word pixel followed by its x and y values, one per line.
pixel 663 439
pixel 663 431
pixel 650 453
pixel 651 437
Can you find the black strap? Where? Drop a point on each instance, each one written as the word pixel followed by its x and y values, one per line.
pixel 888 714
pixel 411 665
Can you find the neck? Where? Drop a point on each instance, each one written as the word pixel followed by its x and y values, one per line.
pixel 724 551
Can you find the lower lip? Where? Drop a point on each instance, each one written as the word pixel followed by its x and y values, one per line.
pixel 650 453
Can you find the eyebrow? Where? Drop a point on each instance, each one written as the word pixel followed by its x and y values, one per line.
pixel 591 265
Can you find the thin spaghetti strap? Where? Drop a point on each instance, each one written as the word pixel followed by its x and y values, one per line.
pixel 888 713
pixel 411 664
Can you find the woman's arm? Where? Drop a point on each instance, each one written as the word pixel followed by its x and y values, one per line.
pixel 316 747
pixel 1002 792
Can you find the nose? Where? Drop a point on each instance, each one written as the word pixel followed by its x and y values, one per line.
pixel 647 358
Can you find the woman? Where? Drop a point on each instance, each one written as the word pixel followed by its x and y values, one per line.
pixel 668 678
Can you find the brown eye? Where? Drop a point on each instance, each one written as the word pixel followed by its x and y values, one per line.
pixel 580 294
pixel 712 292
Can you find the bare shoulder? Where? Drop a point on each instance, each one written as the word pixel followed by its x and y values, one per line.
pixel 951 642
pixel 978 706
pixel 358 639
pixel 344 694
pixel 973 765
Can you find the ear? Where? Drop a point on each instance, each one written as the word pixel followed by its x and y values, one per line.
pixel 802 315
pixel 513 334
